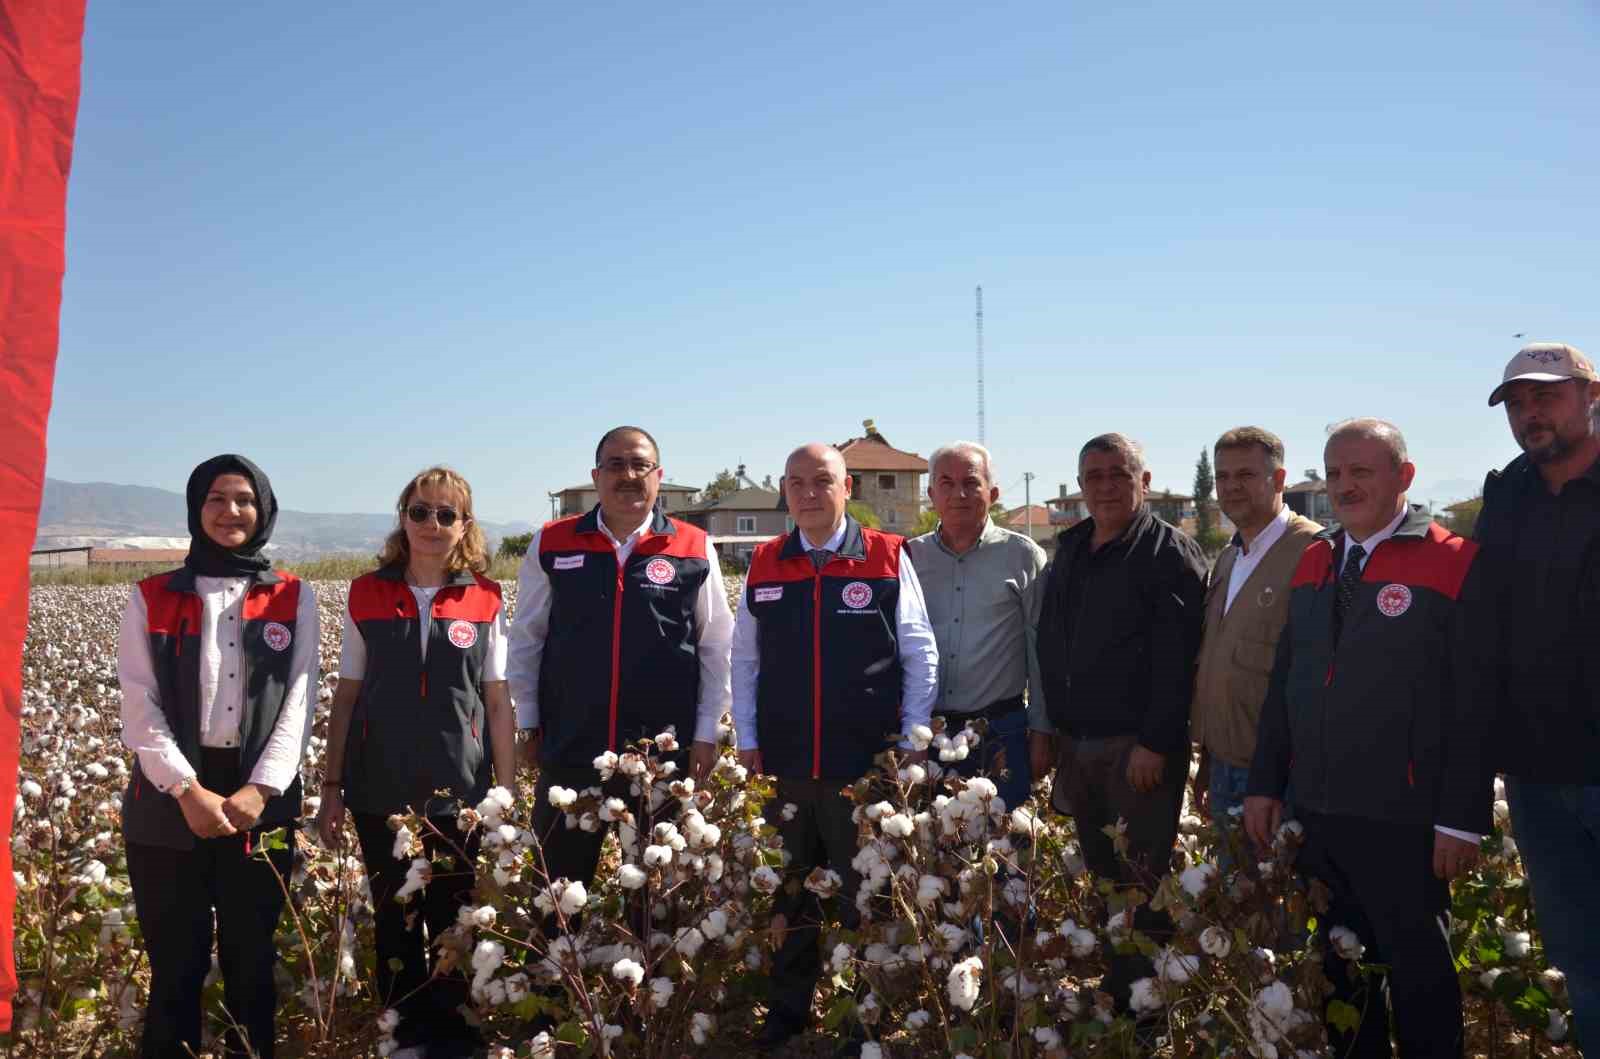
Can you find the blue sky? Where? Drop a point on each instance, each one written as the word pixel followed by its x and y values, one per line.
pixel 352 242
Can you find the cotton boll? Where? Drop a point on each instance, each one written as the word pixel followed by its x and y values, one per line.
pixel 1214 941
pixel 964 981
pixel 1144 996
pixel 628 972
pixel 1346 943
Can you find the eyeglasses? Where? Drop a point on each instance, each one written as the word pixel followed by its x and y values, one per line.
pixel 419 513
pixel 639 468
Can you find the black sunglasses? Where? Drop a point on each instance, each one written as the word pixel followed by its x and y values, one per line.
pixel 419 514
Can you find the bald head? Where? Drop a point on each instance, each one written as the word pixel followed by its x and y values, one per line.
pixel 816 487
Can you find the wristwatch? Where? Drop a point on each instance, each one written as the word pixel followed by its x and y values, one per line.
pixel 179 789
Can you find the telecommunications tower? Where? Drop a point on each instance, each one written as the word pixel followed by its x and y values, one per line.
pixel 982 439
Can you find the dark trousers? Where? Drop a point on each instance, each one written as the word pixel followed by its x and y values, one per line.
pixel 1004 748
pixel 1092 787
pixel 573 853
pixel 182 896
pixel 1558 833
pixel 1380 878
pixel 427 1004
pixel 821 835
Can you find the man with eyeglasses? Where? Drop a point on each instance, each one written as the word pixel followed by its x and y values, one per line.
pixel 622 629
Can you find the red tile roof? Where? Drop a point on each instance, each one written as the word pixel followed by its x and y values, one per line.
pixel 872 453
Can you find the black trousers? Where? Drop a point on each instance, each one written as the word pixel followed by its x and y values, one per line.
pixel 1382 884
pixel 184 898
pixel 1092 787
pixel 571 852
pixel 427 1004
pixel 821 835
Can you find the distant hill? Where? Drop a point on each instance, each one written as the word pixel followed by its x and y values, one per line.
pixel 106 514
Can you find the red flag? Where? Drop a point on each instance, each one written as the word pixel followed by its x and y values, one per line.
pixel 41 50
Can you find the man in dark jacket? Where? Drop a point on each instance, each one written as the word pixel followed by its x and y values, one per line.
pixel 1119 628
pixel 1540 533
pixel 1372 716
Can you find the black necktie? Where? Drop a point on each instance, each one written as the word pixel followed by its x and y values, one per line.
pixel 820 557
pixel 1347 586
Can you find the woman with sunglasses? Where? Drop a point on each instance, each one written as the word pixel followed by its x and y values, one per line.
pixel 216 660
pixel 421 706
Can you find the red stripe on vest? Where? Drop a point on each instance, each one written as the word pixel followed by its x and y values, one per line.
pixel 279 602
pixel 169 613
pixel 476 603
pixel 374 598
pixel 1315 564
pixel 1438 561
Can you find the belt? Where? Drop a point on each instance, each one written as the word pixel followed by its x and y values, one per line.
pixel 992 712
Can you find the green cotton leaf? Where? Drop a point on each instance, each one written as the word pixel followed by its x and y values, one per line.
pixel 1490 950
pixel 1343 1017
pixel 842 1007
pixel 1311 924
pixel 964 1038
pixel 396 964
pixel 572 1032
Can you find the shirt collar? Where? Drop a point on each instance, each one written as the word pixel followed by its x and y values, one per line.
pixel 1370 545
pixel 635 535
pixel 988 535
pixel 835 539
pixel 1269 533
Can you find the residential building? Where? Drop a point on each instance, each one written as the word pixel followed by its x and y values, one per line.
pixel 577 499
pixel 1034 521
pixel 1310 498
pixel 736 522
pixel 886 479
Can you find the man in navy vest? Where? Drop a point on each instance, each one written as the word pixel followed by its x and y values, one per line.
pixel 833 657
pixel 622 629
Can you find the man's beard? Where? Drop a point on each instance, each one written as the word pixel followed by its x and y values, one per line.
pixel 1550 451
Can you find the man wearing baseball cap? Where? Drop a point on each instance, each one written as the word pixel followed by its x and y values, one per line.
pixel 1540 534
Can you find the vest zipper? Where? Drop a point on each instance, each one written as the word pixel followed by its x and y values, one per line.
pixel 182 623
pixel 816 674
pixel 616 657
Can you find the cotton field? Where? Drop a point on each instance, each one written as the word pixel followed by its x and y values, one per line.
pixel 978 932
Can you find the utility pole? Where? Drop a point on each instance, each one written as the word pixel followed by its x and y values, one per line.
pixel 982 439
pixel 1027 501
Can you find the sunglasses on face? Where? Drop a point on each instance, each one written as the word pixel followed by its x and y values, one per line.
pixel 419 513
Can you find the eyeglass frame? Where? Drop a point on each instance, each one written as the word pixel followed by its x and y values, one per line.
pixel 617 465
pixel 435 513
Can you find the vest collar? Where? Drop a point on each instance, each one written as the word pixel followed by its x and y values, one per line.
pixel 182 580
pixel 397 572
pixel 854 545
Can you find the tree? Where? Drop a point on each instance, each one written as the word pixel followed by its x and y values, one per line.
pixel 1206 533
pixel 862 514
pixel 725 484
pixel 515 546
pixel 1462 518
pixel 926 522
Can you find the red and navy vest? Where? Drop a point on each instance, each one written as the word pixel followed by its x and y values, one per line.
pixel 417 727
pixel 620 660
pixel 173 618
pixel 828 693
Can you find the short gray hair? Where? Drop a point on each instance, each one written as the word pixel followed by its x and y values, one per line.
pixel 961 448
pixel 1131 451
pixel 1371 428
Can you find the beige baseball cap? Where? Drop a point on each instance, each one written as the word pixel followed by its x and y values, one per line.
pixel 1544 362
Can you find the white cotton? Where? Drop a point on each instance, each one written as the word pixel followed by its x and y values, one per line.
pixel 897 825
pixel 918 1019
pixel 842 955
pixel 1518 943
pixel 562 797
pixel 920 736
pixel 701 1027
pixel 657 856
pixel 964 981
pixel 606 764
pixel 1144 996
pixel 631 876
pixel 765 879
pixel 403 839
pixel 1176 967
pixel 417 876
pixel 660 992
pixel 1196 879
pixel 627 972
pixel 871 1050
pixel 573 897
pixel 1047 1037
pixel 484 916
pixel 715 925
pixel 689 943
pixel 1214 941
pixel 1346 943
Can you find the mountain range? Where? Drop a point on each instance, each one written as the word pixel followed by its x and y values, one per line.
pixel 104 514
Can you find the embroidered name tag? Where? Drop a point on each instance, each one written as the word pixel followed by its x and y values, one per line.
pixel 568 562
pixel 767 595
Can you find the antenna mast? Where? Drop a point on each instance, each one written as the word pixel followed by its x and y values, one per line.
pixel 982 439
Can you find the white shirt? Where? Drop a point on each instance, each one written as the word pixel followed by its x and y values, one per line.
pixel 144 727
pixel 353 646
pixel 1369 546
pixel 1245 563
pixel 712 619
pixel 919 653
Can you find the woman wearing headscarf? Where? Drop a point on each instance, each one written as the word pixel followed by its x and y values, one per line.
pixel 217 660
pixel 421 706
